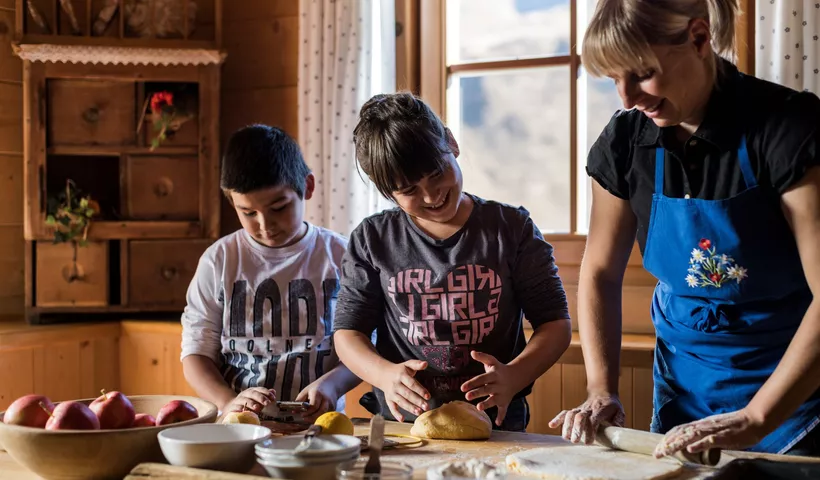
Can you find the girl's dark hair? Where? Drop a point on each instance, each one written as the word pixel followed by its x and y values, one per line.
pixel 399 140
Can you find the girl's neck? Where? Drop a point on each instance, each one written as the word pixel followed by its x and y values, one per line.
pixel 444 230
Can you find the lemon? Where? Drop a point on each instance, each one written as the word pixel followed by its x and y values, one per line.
pixel 335 423
pixel 241 417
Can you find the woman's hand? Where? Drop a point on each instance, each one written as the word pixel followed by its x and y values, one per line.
pixel 580 424
pixel 402 390
pixel 732 431
pixel 253 399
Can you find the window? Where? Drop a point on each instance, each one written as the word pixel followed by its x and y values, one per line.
pixel 520 105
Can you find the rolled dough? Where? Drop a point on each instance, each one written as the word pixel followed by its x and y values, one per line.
pixel 582 462
pixel 453 421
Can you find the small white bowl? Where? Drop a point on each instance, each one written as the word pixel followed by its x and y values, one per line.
pixel 322 447
pixel 296 468
pixel 228 448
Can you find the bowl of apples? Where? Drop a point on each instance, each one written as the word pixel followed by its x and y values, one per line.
pixel 94 438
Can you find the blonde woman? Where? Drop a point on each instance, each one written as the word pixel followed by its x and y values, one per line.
pixel 716 174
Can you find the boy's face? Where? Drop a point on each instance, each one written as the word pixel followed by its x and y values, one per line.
pixel 436 197
pixel 273 216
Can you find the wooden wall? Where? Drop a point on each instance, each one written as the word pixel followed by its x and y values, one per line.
pixel 11 168
pixel 259 74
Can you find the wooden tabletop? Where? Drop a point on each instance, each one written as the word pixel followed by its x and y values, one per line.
pixel 434 452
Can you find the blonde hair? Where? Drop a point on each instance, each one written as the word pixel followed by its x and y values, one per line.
pixel 620 34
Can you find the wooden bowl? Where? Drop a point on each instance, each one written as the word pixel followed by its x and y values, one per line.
pixel 95 454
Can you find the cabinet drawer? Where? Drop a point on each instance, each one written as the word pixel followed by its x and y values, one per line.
pixel 159 271
pixel 91 112
pixel 162 188
pixel 59 284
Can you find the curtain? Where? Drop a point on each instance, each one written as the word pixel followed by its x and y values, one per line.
pixel 346 55
pixel 786 38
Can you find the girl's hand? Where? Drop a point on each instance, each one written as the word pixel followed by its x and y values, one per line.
pixel 253 399
pixel 321 399
pixel 731 431
pixel 581 423
pixel 496 383
pixel 402 390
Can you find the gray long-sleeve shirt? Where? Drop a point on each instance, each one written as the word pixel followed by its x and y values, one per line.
pixel 436 300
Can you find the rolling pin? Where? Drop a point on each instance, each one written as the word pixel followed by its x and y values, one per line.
pixel 636 441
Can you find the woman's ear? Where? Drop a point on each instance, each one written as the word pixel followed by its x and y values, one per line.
pixel 451 142
pixel 701 37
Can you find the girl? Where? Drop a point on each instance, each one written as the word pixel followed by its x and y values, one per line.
pixel 443 279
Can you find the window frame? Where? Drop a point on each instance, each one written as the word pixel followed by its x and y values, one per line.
pixel 428 75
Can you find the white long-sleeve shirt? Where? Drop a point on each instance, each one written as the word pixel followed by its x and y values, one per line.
pixel 265 315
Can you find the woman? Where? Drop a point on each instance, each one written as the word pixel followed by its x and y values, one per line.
pixel 716 174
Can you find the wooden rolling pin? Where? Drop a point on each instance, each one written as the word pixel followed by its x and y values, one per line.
pixel 637 441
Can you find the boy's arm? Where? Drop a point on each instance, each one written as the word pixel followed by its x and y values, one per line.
pixel 202 335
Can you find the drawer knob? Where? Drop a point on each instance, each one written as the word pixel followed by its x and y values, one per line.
pixel 92 115
pixel 163 187
pixel 168 273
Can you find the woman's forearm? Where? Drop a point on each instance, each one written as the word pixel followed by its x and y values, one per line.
pixel 599 318
pixel 795 378
pixel 203 376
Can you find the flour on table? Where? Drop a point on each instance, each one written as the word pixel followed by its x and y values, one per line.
pixel 581 462
pixel 472 469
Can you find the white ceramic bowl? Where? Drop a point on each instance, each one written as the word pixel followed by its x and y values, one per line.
pixel 322 447
pixel 228 448
pixel 295 468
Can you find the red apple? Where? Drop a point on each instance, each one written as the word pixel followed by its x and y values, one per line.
pixel 143 420
pixel 26 411
pixel 113 409
pixel 72 416
pixel 176 411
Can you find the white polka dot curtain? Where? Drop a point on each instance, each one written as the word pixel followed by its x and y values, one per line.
pixel 346 55
pixel 788 48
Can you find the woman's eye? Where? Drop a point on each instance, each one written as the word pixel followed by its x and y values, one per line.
pixel 645 76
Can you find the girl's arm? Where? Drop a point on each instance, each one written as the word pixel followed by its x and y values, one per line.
pixel 609 243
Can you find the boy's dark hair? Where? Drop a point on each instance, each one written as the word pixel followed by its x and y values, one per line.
pixel 399 140
pixel 260 156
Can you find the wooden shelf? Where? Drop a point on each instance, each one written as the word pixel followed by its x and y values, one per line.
pixel 133 230
pixel 104 150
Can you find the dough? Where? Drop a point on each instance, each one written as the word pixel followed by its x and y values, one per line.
pixel 453 421
pixel 582 462
pixel 473 468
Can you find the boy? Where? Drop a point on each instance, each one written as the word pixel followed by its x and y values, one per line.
pixel 259 315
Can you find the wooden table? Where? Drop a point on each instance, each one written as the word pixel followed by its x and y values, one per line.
pixel 434 452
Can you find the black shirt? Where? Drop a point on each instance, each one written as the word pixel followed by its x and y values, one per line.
pixel 782 129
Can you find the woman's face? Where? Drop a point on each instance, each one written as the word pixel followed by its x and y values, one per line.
pixel 678 93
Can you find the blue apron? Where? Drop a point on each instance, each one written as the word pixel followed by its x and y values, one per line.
pixel 730 296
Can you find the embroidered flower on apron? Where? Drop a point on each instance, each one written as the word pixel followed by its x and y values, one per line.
pixel 707 268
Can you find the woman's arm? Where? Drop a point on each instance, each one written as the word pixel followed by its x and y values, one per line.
pixel 797 375
pixel 609 244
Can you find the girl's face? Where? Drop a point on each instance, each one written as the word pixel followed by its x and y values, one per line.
pixel 677 95
pixel 436 197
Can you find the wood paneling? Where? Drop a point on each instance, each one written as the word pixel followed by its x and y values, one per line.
pixel 11 117
pixel 273 106
pixel 11 189
pixel 11 67
pixel 256 9
pixel 245 68
pixel 12 268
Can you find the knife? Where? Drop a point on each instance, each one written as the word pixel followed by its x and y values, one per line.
pixel 375 444
pixel 308 438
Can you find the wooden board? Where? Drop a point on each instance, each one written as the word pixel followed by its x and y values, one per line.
pixel 159 471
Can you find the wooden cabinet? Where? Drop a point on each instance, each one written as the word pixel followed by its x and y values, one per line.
pixel 149 359
pixel 133 133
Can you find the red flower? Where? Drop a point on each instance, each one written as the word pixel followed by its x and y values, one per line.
pixel 715 277
pixel 160 99
pixel 705 243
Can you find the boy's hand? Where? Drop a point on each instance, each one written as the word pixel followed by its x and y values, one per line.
pixel 401 390
pixel 253 399
pixel 321 399
pixel 496 383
